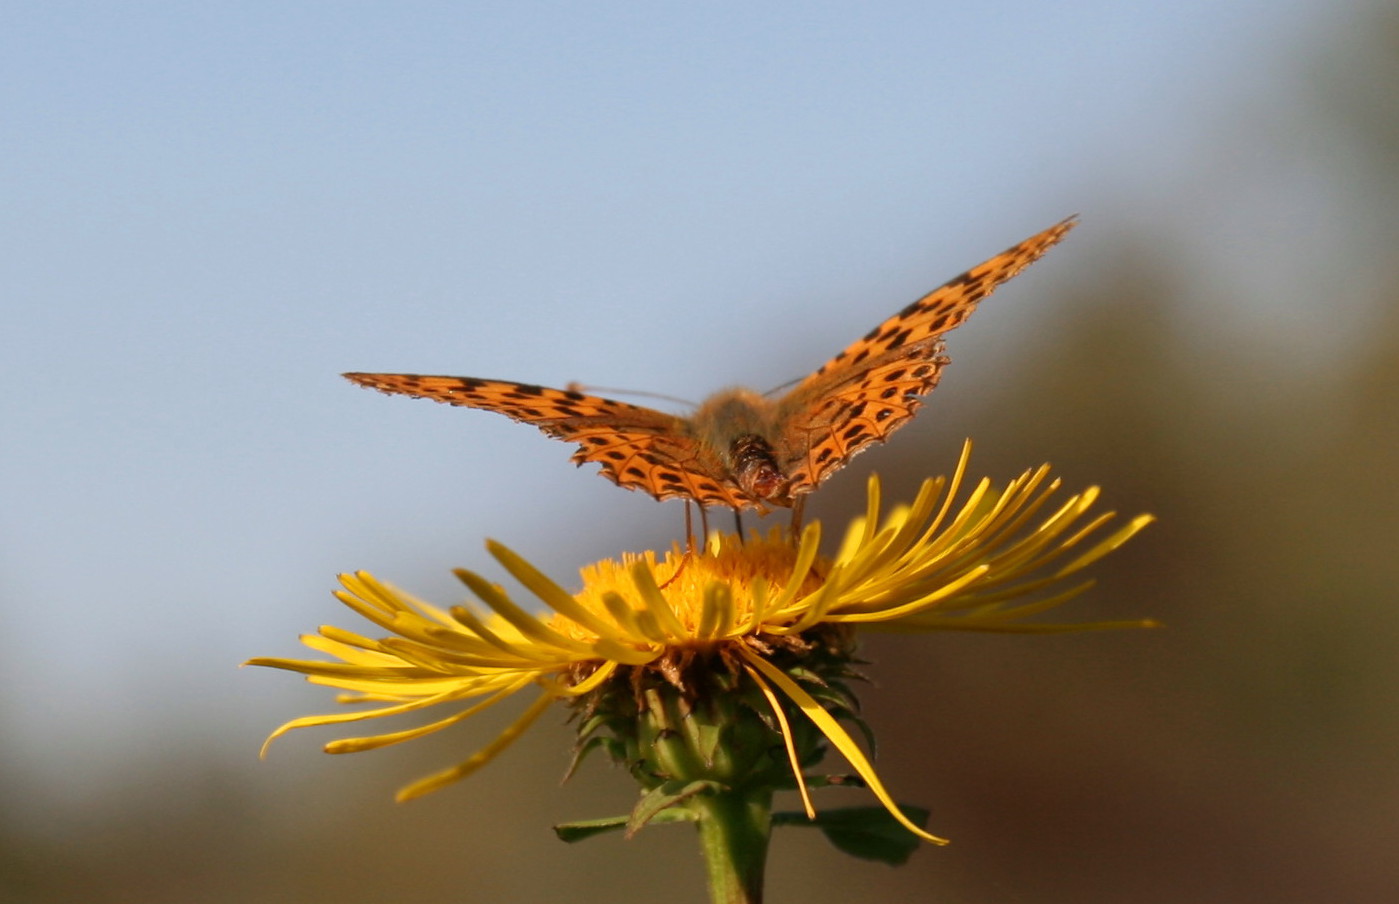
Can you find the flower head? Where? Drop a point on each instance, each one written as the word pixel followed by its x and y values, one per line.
pixel 692 667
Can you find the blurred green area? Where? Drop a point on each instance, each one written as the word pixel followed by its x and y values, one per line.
pixel 1249 750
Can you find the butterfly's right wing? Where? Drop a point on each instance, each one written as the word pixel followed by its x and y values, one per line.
pixel 638 448
pixel 874 386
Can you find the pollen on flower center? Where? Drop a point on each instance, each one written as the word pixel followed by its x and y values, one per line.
pixel 708 596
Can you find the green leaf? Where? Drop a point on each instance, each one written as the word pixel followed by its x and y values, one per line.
pixel 663 797
pixel 577 831
pixel 580 751
pixel 869 833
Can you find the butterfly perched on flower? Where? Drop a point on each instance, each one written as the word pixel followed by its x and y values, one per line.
pixel 740 448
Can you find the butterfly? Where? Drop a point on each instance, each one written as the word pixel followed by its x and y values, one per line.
pixel 740 448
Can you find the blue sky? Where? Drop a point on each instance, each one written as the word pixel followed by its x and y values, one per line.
pixel 210 211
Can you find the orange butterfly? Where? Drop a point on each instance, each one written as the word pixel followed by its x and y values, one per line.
pixel 742 449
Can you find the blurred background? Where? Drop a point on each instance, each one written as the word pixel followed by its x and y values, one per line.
pixel 210 211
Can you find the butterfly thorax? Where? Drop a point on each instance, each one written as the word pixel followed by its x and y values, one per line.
pixel 736 425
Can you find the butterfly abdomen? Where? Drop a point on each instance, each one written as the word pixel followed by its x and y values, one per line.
pixel 756 471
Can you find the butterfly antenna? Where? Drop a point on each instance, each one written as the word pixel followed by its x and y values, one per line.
pixel 636 393
pixel 785 386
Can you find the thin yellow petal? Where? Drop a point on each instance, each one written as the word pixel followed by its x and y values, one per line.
pixel 551 594
pixel 786 740
pixel 806 557
pixel 1107 545
pixel 604 671
pixel 527 624
pixel 655 602
pixel 838 737
pixel 480 757
pixel 356 716
pixel 951 588
pixel 355 745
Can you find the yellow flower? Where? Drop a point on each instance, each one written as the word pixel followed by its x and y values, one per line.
pixel 743 626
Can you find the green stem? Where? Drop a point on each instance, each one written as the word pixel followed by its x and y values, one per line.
pixel 734 831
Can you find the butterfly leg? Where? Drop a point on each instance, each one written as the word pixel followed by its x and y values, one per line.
pixel 704 525
pixel 684 560
pixel 797 505
pixel 689 529
pixel 738 524
pixel 690 548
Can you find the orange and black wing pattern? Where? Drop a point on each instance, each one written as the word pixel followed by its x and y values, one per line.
pixel 875 386
pixel 638 448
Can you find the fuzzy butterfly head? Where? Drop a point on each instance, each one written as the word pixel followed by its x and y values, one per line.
pixel 741 449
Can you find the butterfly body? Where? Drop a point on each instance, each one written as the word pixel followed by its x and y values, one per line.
pixel 741 427
pixel 740 448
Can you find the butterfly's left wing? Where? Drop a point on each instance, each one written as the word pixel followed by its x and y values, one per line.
pixel 638 448
pixel 870 389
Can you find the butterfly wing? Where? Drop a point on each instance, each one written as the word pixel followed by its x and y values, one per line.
pixel 870 389
pixel 638 448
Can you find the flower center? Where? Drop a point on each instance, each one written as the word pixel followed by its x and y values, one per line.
pixel 729 574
